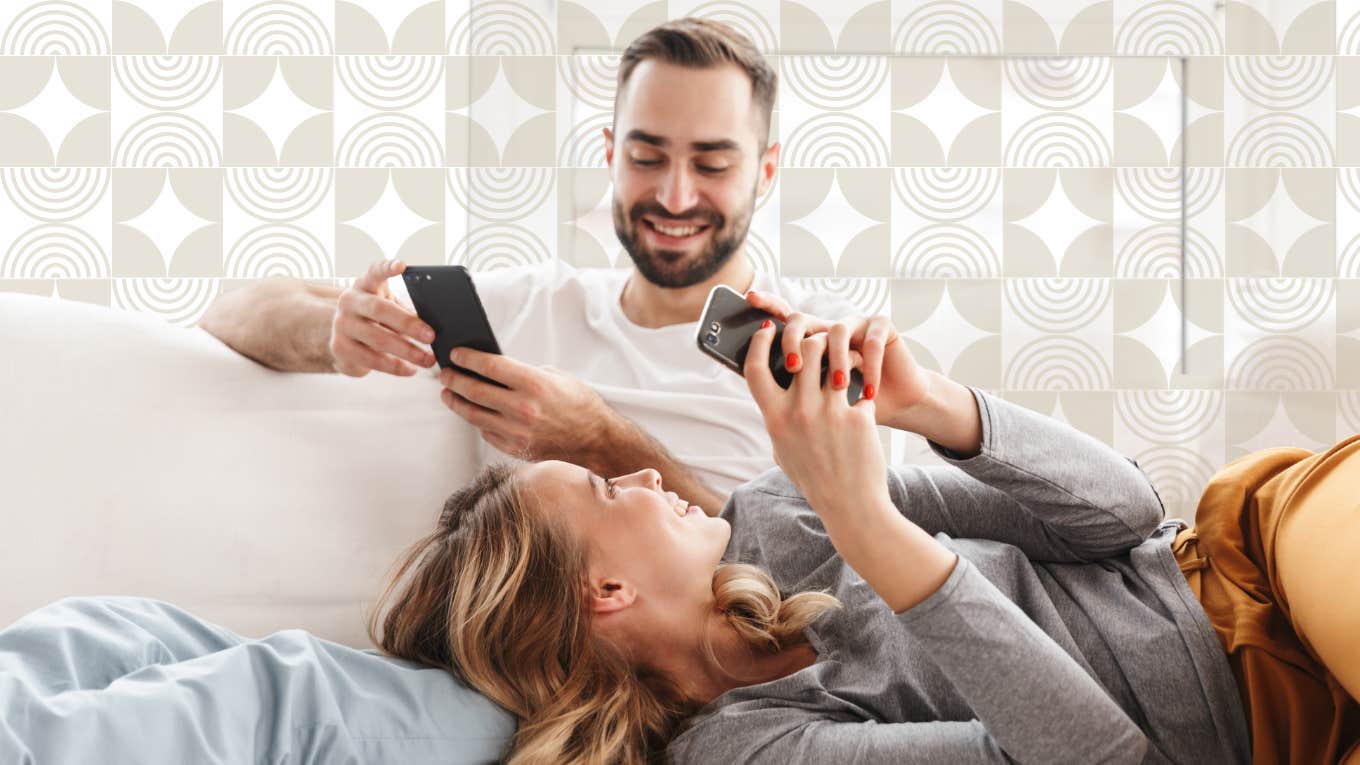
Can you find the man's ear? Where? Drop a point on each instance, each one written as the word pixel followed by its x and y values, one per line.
pixel 769 162
pixel 610 596
pixel 609 147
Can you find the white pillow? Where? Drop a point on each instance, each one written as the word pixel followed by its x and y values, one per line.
pixel 138 458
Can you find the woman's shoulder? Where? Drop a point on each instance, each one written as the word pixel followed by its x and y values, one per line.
pixel 774 527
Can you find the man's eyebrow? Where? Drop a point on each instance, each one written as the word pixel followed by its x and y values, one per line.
pixel 638 135
pixel 725 144
pixel 722 144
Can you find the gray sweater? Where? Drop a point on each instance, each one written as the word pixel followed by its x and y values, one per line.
pixel 1065 634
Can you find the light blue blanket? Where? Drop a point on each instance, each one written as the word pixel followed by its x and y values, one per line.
pixel 134 680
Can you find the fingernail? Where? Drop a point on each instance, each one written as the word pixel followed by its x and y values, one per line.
pixel 869 391
pixel 427 336
pixel 453 355
pixel 838 379
pixel 791 361
pixel 766 324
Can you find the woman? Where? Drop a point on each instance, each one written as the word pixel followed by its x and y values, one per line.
pixel 1026 603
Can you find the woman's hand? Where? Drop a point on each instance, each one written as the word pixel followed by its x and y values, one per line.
pixel 892 378
pixel 828 448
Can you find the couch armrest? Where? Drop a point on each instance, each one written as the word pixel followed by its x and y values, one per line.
pixel 140 458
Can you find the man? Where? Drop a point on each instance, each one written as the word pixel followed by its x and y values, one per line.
pixel 601 364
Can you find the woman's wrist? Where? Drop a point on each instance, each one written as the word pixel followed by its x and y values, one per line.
pixel 948 415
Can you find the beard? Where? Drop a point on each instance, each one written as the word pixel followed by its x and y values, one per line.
pixel 668 268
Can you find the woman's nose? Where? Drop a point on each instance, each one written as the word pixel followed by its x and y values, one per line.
pixel 648 478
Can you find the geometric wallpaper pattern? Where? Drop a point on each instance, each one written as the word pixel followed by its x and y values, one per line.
pixel 1140 217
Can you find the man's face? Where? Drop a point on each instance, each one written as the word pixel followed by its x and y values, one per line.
pixel 687 163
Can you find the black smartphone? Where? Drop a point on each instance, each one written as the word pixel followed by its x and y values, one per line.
pixel 446 299
pixel 725 334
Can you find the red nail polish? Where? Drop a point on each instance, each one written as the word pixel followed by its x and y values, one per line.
pixel 765 324
pixel 791 361
pixel 869 391
pixel 838 379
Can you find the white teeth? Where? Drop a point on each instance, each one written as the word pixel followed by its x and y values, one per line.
pixel 668 231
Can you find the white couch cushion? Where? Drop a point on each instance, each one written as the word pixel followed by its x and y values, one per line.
pixel 138 458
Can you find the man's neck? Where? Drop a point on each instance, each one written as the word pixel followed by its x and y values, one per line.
pixel 647 305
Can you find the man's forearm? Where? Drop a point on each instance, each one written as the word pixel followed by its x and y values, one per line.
pixel 284 324
pixel 627 448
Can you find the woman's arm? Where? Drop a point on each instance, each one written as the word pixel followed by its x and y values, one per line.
pixel 1029 480
pixel 1033 702
pixel 989 649
pixel 947 416
pixel 1032 481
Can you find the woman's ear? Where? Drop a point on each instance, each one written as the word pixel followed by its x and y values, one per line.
pixel 610 596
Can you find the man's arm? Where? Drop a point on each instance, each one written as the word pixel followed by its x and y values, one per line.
pixel 282 323
pixel 543 413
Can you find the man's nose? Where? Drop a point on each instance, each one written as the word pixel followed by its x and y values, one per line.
pixel 677 193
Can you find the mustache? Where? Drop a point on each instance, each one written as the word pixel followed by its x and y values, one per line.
pixel 713 217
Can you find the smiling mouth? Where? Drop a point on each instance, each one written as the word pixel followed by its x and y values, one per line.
pixel 675 232
pixel 681 507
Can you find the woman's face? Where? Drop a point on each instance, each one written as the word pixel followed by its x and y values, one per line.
pixel 645 544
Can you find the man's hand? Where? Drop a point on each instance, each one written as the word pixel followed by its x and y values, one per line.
pixel 541 414
pixel 372 330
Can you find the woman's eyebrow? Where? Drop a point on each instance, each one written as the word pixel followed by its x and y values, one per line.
pixel 590 481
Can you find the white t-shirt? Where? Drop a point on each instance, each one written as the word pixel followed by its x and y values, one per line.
pixel 558 315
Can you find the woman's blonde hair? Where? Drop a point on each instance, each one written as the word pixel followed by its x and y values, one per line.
pixel 496 595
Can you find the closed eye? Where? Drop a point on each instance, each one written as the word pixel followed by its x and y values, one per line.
pixel 609 484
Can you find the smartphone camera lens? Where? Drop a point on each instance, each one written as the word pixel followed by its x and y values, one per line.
pixel 714 326
pixel 711 338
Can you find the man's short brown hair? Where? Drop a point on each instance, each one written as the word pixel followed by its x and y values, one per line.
pixel 701 44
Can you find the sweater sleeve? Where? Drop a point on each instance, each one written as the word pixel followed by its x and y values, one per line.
pixel 1033 702
pixel 1051 490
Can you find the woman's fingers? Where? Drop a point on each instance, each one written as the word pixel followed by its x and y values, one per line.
pixel 807 382
pixel 756 369
pixel 878 333
pixel 772 303
pixel 796 327
pixel 838 356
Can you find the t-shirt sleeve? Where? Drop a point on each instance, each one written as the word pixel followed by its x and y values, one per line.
pixel 1053 491
pixel 505 292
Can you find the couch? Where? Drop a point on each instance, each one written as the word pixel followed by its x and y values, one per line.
pixel 140 458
